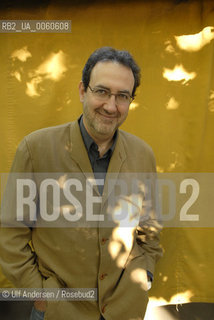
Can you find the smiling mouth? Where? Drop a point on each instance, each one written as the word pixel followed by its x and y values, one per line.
pixel 107 116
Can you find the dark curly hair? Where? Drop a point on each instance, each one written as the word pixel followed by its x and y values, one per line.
pixel 110 54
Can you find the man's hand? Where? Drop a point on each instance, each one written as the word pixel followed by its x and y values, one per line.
pixel 40 305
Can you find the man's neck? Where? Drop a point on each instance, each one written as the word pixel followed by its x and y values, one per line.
pixel 103 142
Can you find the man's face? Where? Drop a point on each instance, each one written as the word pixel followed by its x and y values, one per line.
pixel 102 118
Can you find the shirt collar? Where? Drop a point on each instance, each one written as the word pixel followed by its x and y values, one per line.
pixel 89 141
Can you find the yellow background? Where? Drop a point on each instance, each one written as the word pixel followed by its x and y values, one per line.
pixel 173 110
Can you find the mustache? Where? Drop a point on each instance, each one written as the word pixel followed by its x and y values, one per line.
pixel 108 113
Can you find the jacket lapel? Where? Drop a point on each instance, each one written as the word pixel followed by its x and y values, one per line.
pixel 115 165
pixel 78 150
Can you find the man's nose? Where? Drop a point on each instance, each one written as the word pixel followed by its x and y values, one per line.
pixel 111 104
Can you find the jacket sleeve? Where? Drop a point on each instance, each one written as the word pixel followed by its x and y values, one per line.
pixel 17 259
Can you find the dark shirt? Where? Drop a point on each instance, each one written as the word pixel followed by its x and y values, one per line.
pixel 99 164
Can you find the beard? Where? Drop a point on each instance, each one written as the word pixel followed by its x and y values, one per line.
pixel 97 123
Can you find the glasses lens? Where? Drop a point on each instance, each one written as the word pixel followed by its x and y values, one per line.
pixel 123 98
pixel 101 93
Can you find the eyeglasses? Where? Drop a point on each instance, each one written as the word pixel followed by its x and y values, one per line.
pixel 123 99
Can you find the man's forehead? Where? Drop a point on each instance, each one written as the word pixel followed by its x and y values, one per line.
pixel 110 71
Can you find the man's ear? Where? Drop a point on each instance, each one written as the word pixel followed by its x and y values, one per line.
pixel 81 91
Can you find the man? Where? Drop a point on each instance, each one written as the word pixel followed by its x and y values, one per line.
pixel 117 258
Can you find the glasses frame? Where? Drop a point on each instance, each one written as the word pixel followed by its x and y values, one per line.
pixel 112 94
